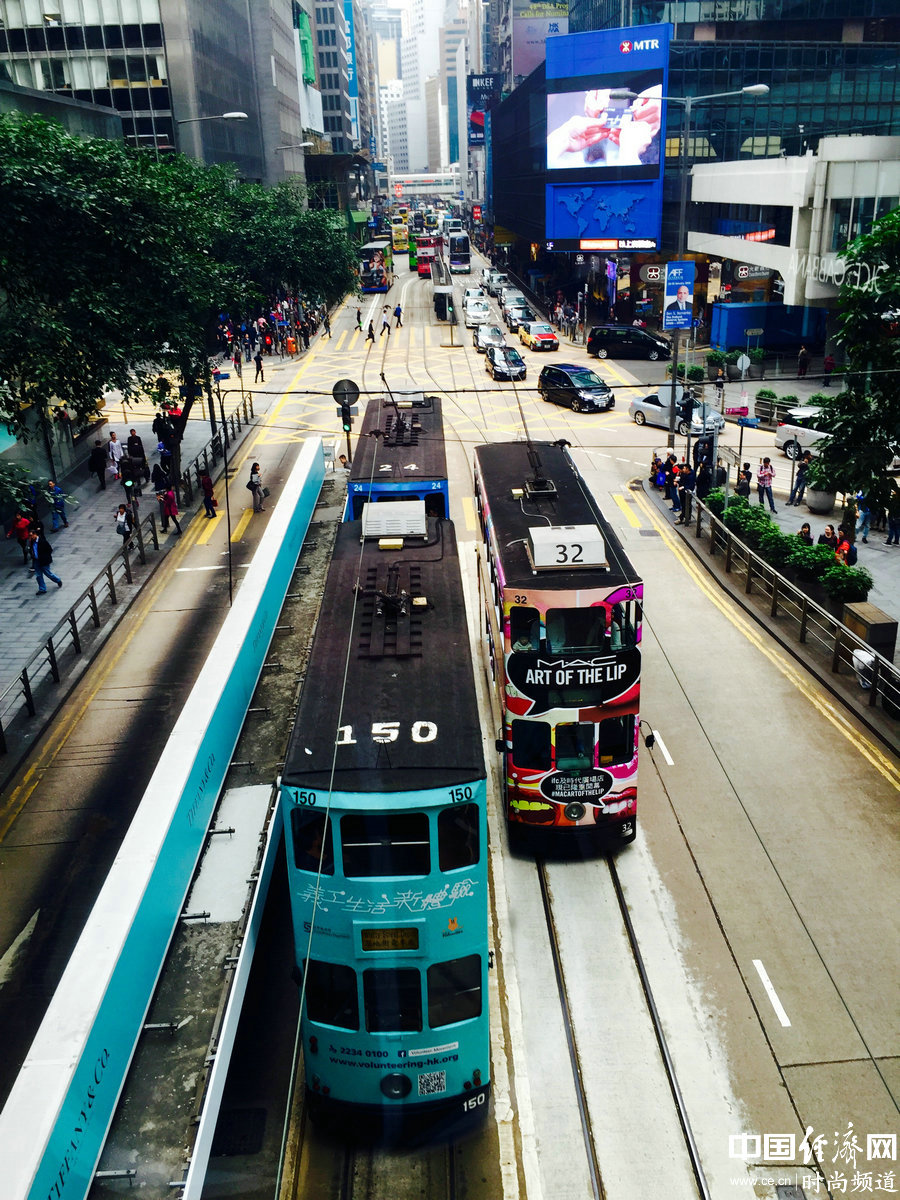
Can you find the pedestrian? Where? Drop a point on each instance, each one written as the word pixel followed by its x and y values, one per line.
pixel 359 319
pixel 342 462
pixel 57 499
pixel 208 499
pixel 137 454
pixel 828 538
pixel 864 509
pixel 114 452
pixel 687 485
pixel 800 481
pixel 236 361
pixel 20 529
pixel 721 474
pixel 97 464
pixel 805 534
pixel 893 515
pixel 257 359
pixel 672 488
pixel 802 362
pixel 132 503
pixel 765 477
pixel 745 479
pixel 42 555
pixel 398 313
pixel 326 325
pixel 704 481
pixel 255 485
pixel 159 477
pixel 719 384
pixel 304 333
pixel 370 336
pixel 828 370
pixel 845 551
pixel 385 321
pixel 172 509
pixel 124 524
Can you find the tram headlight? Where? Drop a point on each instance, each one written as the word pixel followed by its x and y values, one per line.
pixel 574 811
pixel 396 1086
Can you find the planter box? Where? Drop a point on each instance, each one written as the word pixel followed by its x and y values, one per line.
pixel 820 502
pixel 732 371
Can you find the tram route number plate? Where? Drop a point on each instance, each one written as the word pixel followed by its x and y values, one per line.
pixel 405 938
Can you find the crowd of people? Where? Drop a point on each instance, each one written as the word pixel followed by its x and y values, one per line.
pixel 283 329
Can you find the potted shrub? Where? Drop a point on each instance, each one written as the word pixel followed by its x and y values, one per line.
pixel 765 404
pixel 695 373
pixel 846 585
pixel 821 490
pixel 714 360
pixel 776 547
pixel 732 370
pixel 810 562
pixel 757 357
pixel 681 369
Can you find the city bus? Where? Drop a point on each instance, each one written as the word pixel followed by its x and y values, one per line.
pixel 459 254
pixel 375 267
pixel 563 609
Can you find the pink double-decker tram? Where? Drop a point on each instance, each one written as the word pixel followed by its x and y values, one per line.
pixel 563 609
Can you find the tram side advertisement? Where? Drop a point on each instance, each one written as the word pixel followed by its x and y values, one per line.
pixel 605 138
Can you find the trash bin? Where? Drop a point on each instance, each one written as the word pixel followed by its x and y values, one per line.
pixel 291 346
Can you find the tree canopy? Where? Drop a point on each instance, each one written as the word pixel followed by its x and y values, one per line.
pixel 864 419
pixel 114 264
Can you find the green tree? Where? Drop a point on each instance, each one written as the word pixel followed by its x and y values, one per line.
pixel 864 419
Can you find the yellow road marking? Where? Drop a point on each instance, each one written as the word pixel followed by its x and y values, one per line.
pixel 412 338
pixel 206 530
pixel 628 510
pixel 813 693
pixel 468 506
pixel 238 532
pixel 341 339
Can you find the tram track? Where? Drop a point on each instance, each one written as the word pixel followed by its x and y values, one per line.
pixel 555 919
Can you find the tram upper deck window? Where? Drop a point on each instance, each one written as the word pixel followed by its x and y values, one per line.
pixel 393 1000
pixel 623 621
pixel 331 995
pixel 524 628
pixel 458 837
pixel 576 629
pixel 531 745
pixel 454 991
pixel 575 746
pixel 307 828
pixel 385 844
pixel 615 741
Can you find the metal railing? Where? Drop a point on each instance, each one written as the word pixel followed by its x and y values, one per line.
pixel 795 612
pixel 36 685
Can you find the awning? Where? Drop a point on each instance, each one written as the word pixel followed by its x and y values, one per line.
pixel 357 218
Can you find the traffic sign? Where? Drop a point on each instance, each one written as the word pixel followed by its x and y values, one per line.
pixel 728 454
pixel 461 194
pixel 345 391
pixel 753 332
pixel 748 422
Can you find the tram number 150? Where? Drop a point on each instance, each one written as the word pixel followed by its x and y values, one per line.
pixel 473 1102
pixel 389 731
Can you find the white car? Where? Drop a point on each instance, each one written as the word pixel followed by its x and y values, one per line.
pixel 798 433
pixel 473 293
pixel 654 410
pixel 478 311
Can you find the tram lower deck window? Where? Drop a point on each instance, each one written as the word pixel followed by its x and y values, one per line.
pixel 531 745
pixel 331 995
pixel 393 1000
pixel 575 746
pixel 615 741
pixel 458 837
pixel 454 991
pixel 385 844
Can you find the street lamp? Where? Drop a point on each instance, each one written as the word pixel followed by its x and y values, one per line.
pixel 226 116
pixel 687 102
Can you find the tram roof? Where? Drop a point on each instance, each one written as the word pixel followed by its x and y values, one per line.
pixel 415 452
pixel 504 466
pixel 416 668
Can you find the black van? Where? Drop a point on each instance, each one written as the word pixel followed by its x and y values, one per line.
pixel 627 341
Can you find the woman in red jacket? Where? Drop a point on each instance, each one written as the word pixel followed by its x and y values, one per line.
pixel 171 507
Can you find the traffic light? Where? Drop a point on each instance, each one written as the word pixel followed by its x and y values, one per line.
pixel 346 418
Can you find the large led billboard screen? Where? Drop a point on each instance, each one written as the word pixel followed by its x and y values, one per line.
pixel 606 154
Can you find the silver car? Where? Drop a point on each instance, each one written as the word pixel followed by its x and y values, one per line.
pixel 487 335
pixel 654 410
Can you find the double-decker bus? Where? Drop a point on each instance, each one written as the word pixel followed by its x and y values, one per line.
pixel 400 237
pixel 427 252
pixel 375 267
pixel 563 609
pixel 459 253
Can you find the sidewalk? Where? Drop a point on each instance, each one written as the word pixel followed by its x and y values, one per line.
pixel 80 552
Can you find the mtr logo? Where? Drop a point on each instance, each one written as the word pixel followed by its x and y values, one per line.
pixel 648 44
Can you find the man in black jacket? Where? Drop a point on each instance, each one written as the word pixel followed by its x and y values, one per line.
pixel 42 556
pixel 97 464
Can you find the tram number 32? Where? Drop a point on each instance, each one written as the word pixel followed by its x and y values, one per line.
pixel 389 731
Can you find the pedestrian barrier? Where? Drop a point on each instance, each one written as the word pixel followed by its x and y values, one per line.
pixel 796 613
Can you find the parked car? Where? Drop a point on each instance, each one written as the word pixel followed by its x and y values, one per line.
pixel 799 432
pixel 515 316
pixel 487 335
pixel 578 388
pixel 538 335
pixel 497 280
pixel 654 410
pixel 505 362
pixel 478 311
pixel 627 341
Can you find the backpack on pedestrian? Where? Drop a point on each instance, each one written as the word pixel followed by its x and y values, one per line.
pixel 852 555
